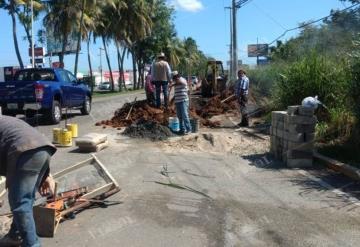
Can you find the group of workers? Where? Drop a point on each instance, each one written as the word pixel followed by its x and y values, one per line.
pixel 161 77
pixel 25 153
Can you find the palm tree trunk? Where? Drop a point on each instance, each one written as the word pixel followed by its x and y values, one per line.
pixel 109 65
pixel 119 65
pixel 134 69
pixel 15 39
pixel 122 72
pixel 140 73
pixel 62 53
pixel 89 61
pixel 79 37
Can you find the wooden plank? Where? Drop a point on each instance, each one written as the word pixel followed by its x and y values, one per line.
pixel 98 191
pixel 72 168
pixel 105 170
pixel 44 221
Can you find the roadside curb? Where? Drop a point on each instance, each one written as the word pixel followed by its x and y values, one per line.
pixel 338 166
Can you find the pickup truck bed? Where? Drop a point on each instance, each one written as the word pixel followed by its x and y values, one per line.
pixel 44 91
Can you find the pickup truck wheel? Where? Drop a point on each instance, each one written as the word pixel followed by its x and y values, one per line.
pixel 54 114
pixel 9 114
pixel 85 110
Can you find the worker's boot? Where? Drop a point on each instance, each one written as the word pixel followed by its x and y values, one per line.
pixel 9 241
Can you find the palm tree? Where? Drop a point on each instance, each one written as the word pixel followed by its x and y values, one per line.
pixel 62 18
pixel 106 26
pixel 89 10
pixel 23 13
pixel 12 6
pixel 138 24
pixel 175 52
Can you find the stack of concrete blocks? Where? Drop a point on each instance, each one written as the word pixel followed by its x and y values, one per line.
pixel 292 136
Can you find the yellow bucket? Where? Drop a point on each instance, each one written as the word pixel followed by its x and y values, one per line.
pixel 73 128
pixel 56 135
pixel 65 138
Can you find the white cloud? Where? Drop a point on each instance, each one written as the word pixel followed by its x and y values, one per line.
pixel 188 5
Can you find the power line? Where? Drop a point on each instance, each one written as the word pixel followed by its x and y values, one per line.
pixel 269 16
pixel 312 22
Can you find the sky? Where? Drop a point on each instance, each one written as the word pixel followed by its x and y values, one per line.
pixel 206 21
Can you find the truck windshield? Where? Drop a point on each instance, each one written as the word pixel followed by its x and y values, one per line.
pixel 35 75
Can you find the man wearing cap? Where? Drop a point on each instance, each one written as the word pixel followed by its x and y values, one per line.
pixel 161 76
pixel 241 92
pixel 24 160
pixel 181 102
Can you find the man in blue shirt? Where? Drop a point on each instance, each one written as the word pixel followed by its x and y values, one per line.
pixel 241 92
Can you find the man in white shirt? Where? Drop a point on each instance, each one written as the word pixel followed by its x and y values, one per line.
pixel 241 92
pixel 161 76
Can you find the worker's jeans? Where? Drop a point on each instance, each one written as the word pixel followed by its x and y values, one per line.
pixel 30 169
pixel 164 86
pixel 182 112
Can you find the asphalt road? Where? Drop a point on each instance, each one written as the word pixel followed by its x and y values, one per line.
pixel 224 200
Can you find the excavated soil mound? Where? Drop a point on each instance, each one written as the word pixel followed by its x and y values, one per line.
pixel 214 107
pixel 141 112
pixel 151 130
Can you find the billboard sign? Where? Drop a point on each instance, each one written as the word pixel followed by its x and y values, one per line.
pixel 38 51
pixel 54 43
pixel 258 50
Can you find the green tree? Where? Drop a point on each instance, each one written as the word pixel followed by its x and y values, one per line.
pixel 12 7
pixel 63 18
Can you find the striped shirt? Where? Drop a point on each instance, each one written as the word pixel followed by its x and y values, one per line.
pixel 242 84
pixel 181 90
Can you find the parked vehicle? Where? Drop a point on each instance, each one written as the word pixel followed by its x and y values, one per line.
pixel 104 86
pixel 44 91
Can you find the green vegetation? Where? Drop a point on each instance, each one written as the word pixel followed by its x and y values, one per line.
pixel 322 60
pixel 139 28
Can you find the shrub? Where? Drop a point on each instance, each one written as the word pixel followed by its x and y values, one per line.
pixel 263 78
pixel 312 75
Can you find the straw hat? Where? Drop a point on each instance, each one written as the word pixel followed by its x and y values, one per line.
pixel 174 73
pixel 161 55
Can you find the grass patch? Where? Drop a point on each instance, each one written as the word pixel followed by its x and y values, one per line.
pixel 99 94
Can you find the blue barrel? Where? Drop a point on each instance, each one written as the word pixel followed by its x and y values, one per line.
pixel 174 124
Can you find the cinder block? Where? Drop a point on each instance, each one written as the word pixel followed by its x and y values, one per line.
pixel 309 137
pixel 306 111
pixel 300 128
pixel 303 146
pixel 293 110
pixel 298 154
pixel 300 119
pixel 278 116
pixel 279 133
pixel 294 137
pixel 299 163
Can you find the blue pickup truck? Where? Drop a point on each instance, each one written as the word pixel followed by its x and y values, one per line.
pixel 44 91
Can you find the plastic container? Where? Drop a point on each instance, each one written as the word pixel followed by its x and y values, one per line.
pixel 195 123
pixel 65 138
pixel 56 135
pixel 174 124
pixel 73 128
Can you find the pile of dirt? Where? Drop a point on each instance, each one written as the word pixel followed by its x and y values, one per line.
pixel 214 107
pixel 149 129
pixel 141 112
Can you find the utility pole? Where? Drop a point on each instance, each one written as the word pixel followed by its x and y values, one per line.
pixel 231 72
pixel 32 34
pixel 235 5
